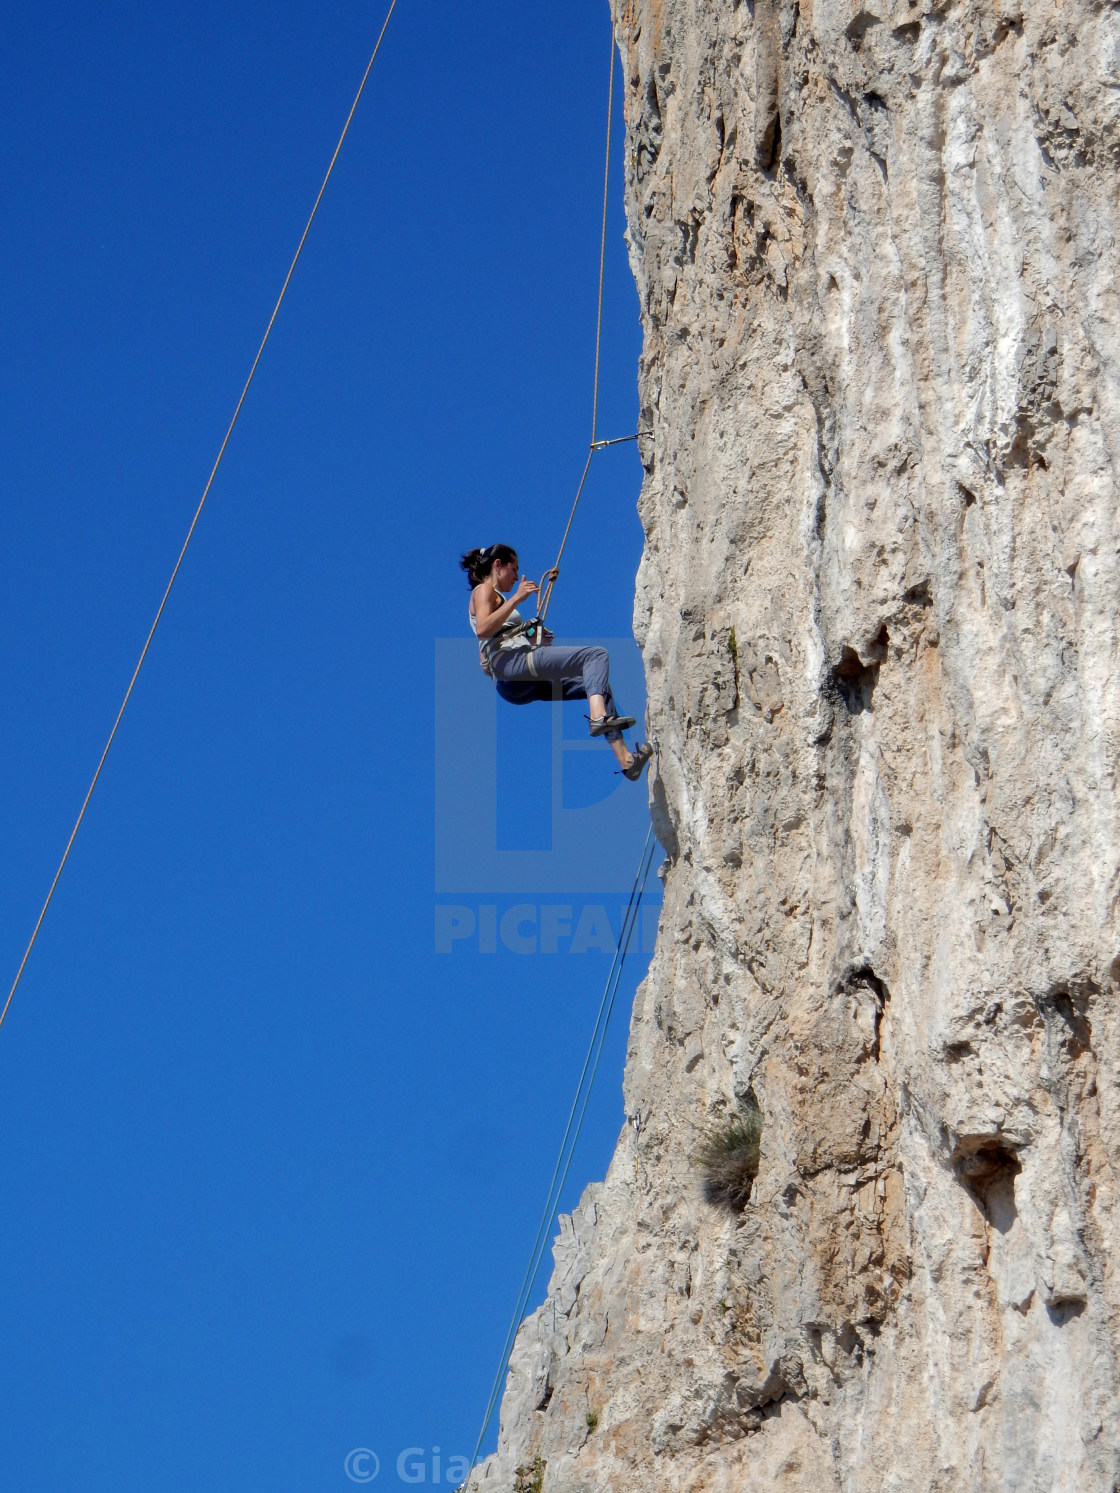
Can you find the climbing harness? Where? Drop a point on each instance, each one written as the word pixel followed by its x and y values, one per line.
pixel 198 513
pixel 513 628
pixel 571 1133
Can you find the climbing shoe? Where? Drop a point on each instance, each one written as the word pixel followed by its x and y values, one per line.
pixel 605 723
pixel 642 753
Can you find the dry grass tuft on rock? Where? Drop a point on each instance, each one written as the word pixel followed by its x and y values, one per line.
pixel 728 1156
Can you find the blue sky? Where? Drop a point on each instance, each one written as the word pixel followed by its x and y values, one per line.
pixel 272 1164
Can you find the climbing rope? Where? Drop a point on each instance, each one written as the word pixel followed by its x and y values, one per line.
pixel 197 516
pixel 548 580
pixel 590 1069
pixel 571 1132
pixel 602 248
pixel 606 1005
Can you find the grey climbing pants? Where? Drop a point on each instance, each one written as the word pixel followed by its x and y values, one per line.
pixel 527 674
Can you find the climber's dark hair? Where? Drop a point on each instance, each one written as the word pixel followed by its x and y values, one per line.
pixel 479 563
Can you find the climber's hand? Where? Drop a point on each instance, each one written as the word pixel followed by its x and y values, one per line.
pixel 526 588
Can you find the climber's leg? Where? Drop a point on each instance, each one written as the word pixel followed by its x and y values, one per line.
pixel 523 691
pixel 522 678
pixel 622 752
pixel 594 685
pixel 582 673
pixel 572 689
pixel 587 677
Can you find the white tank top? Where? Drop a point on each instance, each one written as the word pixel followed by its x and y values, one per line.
pixel 519 640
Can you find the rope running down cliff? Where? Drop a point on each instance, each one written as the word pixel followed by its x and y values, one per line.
pixel 197 516
pixel 606 1005
pixel 571 1138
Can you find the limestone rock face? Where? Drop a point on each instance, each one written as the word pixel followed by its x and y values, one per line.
pixel 876 247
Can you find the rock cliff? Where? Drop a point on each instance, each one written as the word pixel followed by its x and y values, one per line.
pixel 879 604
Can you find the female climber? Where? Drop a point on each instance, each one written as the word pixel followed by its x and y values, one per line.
pixel 525 668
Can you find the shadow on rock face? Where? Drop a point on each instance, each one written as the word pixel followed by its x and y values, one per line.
pixel 854 680
pixel 987 1168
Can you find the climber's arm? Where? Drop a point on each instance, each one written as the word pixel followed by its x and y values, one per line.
pixel 489 617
